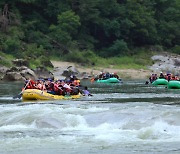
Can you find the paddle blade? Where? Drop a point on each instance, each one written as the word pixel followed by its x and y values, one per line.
pixel 17 96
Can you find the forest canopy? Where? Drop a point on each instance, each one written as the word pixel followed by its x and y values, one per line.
pixel 107 28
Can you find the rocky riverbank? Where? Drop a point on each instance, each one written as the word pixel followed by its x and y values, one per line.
pixel 20 71
pixel 163 62
pixel 84 72
pixel 166 62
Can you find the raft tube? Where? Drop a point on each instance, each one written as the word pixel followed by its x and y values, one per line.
pixel 35 94
pixel 160 82
pixel 173 84
pixel 110 80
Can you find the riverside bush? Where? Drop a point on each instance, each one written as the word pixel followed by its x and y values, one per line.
pixel 5 60
pixel 176 49
pixel 85 57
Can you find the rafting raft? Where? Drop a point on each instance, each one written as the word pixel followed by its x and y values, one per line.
pixel 110 80
pixel 160 82
pixel 173 84
pixel 35 94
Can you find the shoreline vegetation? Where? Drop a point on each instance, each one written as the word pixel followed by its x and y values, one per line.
pixel 107 35
pixel 138 66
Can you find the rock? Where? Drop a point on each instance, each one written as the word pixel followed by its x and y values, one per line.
pixel 13 76
pixel 57 72
pixel 71 70
pixel 19 73
pixel 20 62
pixel 166 63
pixel 42 72
pixel 28 74
pixel 66 73
pixel 47 63
pixel 176 62
pixel 84 75
pixel 61 73
pixel 13 69
pixel 22 68
pixel 3 69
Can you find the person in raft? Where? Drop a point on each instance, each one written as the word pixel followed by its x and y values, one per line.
pixel 57 87
pixel 161 76
pixel 86 92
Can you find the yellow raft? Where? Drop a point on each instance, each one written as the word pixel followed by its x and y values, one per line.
pixel 35 94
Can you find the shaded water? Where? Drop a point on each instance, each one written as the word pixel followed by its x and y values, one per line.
pixel 119 118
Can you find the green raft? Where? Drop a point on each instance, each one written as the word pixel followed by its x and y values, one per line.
pixel 173 84
pixel 160 82
pixel 110 80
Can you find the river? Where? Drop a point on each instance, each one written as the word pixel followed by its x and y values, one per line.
pixel 122 118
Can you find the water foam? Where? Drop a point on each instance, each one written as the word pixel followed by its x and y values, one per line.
pixel 137 122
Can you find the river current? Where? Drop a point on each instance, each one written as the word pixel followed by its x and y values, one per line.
pixel 119 118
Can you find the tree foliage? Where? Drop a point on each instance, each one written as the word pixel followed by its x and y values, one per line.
pixel 106 27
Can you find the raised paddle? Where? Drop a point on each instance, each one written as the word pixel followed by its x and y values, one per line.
pixel 20 94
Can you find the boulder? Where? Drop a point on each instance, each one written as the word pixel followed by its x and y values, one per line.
pixel 28 74
pixel 84 75
pixel 13 69
pixel 166 63
pixel 20 62
pixel 3 70
pixel 71 70
pixel 43 73
pixel 47 63
pixel 19 73
pixel 66 73
pixel 13 76
pixel 57 72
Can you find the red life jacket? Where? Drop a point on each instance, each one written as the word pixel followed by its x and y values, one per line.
pixel 32 84
pixel 56 88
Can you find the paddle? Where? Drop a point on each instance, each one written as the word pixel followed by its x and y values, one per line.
pixel 20 94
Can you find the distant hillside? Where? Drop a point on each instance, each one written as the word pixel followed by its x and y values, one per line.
pixel 67 29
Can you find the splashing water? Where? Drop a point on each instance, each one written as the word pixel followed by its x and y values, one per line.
pixel 124 118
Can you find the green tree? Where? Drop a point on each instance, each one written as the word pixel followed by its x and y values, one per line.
pixel 67 27
pixel 143 30
pixel 167 13
pixel 119 48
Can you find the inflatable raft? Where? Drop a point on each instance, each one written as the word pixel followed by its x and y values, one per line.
pixel 160 82
pixel 35 94
pixel 173 84
pixel 110 80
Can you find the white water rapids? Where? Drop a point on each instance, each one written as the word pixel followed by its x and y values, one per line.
pixel 116 120
pixel 84 127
